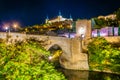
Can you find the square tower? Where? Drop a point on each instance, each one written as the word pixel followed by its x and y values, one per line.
pixel 83 28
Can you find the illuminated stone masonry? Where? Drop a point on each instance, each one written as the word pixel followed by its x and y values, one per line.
pixel 72 56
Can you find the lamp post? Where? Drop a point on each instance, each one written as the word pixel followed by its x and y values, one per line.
pixel 69 31
pixel 81 33
pixel 6 28
pixel 9 31
pixel 15 26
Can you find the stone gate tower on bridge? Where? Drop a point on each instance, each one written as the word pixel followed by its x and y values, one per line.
pixel 83 28
pixel 84 32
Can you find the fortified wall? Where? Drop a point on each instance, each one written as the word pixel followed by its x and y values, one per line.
pixel 113 39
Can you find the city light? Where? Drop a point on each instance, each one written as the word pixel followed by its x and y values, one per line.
pixel 11 25
pixel 15 25
pixel 6 28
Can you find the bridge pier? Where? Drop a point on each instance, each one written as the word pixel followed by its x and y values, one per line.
pixel 76 63
pixel 78 60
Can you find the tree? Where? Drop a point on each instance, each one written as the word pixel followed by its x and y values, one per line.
pixel 103 55
pixel 100 23
pixel 26 60
pixel 112 22
pixel 117 14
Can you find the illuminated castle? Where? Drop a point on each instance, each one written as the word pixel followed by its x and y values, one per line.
pixel 57 19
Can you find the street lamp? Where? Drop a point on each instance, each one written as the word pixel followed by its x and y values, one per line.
pixel 15 25
pixel 6 28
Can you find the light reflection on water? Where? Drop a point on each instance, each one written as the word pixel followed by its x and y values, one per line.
pixel 86 75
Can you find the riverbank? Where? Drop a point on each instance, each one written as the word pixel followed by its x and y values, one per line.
pixel 105 71
pixel 88 75
pixel 104 56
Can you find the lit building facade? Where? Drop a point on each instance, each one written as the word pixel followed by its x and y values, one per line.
pixel 58 19
pixel 111 16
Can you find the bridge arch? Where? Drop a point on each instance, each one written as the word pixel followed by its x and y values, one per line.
pixel 54 47
pixel 56 52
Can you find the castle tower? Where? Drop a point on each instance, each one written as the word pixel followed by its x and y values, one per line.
pixel 60 13
pixel 70 18
pixel 46 20
pixel 59 16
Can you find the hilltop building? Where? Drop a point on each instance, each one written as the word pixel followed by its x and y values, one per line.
pixel 57 19
pixel 84 28
pixel 111 16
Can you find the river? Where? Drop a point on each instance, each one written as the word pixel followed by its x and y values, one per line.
pixel 85 75
pixel 88 75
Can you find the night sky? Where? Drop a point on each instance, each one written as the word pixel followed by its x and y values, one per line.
pixel 31 12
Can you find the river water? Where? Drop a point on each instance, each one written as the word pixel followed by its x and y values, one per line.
pixel 88 75
pixel 85 75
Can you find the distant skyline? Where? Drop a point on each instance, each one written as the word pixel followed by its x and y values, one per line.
pixel 31 12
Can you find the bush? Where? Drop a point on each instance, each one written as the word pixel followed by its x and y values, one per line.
pixel 26 61
pixel 103 55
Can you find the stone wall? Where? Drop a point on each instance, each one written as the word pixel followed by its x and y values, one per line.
pixel 113 39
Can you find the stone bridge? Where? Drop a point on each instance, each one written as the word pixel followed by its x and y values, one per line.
pixel 72 57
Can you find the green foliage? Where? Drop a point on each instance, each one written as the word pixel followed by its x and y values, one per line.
pixel 112 22
pixel 97 45
pixel 100 23
pixel 117 14
pixel 103 55
pixel 26 61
